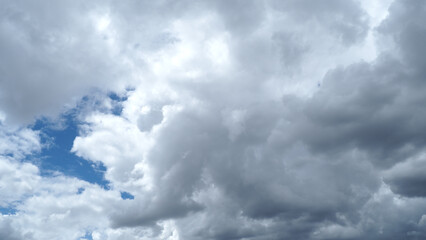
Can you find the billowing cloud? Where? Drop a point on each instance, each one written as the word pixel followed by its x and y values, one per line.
pixel 228 120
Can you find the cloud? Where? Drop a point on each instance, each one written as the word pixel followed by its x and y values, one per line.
pixel 347 21
pixel 210 136
pixel 407 178
pixel 63 55
pixel 18 142
pixel 8 232
pixel 260 120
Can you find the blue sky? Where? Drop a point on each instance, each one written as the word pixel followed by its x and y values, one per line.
pixel 58 136
pixel 57 155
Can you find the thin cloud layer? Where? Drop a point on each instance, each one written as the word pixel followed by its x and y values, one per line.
pixel 229 120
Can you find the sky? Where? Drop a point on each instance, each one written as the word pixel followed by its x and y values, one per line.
pixel 212 120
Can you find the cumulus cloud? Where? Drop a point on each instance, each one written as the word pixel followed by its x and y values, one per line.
pixel 236 120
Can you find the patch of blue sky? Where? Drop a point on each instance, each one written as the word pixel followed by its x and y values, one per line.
pixel 8 210
pixel 126 195
pixel 56 156
pixel 116 99
pixel 58 138
pixel 87 236
pixel 80 190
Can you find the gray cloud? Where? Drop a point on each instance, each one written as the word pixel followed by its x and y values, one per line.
pixel 310 164
pixel 407 178
pixel 346 20
pixel 241 141
pixel 9 233
pixel 150 119
pixel 61 52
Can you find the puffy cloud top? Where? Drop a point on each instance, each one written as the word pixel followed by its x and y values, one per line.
pixel 222 119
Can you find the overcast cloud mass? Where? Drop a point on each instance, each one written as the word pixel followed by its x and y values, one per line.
pixel 217 120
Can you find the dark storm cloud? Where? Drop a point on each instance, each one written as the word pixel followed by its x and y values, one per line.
pixel 386 218
pixel 410 186
pixel 407 178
